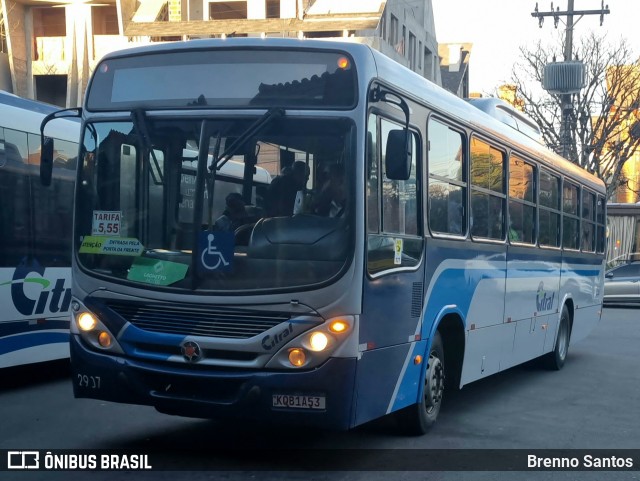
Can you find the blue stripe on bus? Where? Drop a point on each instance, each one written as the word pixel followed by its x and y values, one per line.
pixel 23 341
pixel 21 327
pixel 457 286
pixel 552 272
pixel 132 337
pixel 580 272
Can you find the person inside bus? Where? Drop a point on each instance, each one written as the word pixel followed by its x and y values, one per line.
pixel 332 197
pixel 284 189
pixel 234 215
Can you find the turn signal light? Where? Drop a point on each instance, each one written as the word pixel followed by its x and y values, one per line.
pixel 297 357
pixel 338 326
pixel 104 339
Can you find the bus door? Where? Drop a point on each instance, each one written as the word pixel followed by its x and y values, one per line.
pixel 393 284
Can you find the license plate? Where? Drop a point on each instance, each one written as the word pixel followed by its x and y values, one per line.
pixel 296 401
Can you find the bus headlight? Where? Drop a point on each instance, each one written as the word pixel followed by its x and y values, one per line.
pixel 315 346
pixel 87 322
pixel 318 341
pixel 92 331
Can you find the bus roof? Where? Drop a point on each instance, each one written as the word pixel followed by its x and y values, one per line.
pixel 410 83
pixel 26 115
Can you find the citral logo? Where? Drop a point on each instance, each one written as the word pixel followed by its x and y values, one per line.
pixel 544 301
pixel 27 302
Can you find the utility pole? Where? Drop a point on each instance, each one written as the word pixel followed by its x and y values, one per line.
pixel 560 72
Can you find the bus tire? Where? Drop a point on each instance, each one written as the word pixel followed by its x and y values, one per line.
pixel 556 358
pixel 418 419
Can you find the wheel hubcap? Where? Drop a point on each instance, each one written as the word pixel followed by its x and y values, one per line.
pixel 434 386
pixel 562 340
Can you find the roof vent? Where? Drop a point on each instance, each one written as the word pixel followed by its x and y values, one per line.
pixel 507 114
pixel 563 77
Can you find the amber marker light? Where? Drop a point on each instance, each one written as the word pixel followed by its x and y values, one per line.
pixel 417 360
pixel 343 63
pixel 104 339
pixel 86 321
pixel 338 326
pixel 297 357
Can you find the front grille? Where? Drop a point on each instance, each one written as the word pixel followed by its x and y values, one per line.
pixel 197 321
pixel 207 353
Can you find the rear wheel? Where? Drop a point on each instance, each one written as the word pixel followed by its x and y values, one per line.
pixel 419 418
pixel 556 358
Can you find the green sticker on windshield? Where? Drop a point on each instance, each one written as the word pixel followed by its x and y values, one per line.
pixel 117 246
pixel 156 272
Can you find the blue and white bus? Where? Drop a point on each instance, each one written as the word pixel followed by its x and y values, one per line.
pixel 35 234
pixel 463 247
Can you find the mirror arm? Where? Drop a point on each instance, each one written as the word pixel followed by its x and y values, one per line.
pixel 57 115
pixel 379 94
pixel 46 143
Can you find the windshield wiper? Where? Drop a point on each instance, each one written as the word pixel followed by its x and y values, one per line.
pixel 257 126
pixel 210 183
pixel 140 123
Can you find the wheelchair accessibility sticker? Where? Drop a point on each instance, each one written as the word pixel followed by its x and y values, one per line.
pixel 215 251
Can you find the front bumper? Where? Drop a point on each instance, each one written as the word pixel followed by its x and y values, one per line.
pixel 198 391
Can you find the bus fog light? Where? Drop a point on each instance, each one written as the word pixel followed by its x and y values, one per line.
pixel 318 341
pixel 104 339
pixel 87 322
pixel 297 357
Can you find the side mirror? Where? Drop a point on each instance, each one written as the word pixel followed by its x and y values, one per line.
pixel 397 159
pixel 46 160
pixel 46 143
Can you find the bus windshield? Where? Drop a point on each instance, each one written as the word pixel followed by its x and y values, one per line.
pixel 155 208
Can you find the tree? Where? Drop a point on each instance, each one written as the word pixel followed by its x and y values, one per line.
pixel 604 124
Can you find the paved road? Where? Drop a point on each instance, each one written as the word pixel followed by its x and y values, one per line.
pixel 593 403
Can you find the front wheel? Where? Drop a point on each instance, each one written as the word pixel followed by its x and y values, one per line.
pixel 556 358
pixel 418 418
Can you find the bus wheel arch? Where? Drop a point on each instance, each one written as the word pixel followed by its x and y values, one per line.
pixel 418 418
pixel 555 359
pixel 442 370
pixel 568 303
pixel 451 330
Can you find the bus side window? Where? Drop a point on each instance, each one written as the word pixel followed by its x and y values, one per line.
pixel 570 216
pixel 549 209
pixel 397 202
pixel 399 197
pixel 14 200
pixel 522 201
pixel 447 183
pixel 487 190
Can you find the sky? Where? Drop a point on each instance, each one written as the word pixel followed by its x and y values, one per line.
pixel 497 28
